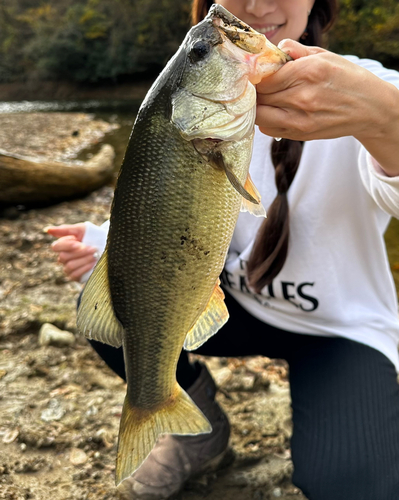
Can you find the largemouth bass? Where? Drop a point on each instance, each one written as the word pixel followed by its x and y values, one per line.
pixel 182 184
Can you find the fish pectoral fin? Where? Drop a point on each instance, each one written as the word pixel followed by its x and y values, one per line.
pixel 96 317
pixel 139 429
pixel 246 206
pixel 211 320
pixel 216 159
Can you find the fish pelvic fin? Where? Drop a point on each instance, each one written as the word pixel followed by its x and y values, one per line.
pixel 96 317
pixel 211 320
pixel 247 206
pixel 139 429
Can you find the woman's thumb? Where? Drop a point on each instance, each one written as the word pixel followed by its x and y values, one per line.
pixel 296 49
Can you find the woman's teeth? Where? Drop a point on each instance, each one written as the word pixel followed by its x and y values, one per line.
pixel 264 31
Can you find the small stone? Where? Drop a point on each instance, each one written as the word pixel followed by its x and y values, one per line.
pixel 22 446
pixel 105 437
pixel 277 492
pixel 4 469
pixel 247 382
pixel 93 410
pixel 10 436
pixel 77 456
pixel 53 412
pixel 51 335
pixel 222 376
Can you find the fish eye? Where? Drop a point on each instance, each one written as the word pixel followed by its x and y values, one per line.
pixel 199 50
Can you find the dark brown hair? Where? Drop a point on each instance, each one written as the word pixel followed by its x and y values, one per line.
pixel 270 249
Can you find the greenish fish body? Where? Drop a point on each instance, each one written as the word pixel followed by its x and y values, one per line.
pixel 182 184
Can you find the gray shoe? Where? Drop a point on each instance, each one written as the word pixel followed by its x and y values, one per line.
pixel 175 459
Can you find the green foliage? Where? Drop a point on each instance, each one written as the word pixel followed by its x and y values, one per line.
pixel 91 40
pixel 368 29
pixel 88 40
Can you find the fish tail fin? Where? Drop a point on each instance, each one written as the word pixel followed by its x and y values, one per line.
pixel 139 429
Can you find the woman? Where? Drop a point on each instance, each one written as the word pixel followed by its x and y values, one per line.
pixel 326 303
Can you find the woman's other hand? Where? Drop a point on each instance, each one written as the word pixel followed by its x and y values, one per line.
pixel 76 257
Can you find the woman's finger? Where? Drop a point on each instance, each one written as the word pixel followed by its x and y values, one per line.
pixel 307 62
pixel 283 78
pixel 65 257
pixel 77 274
pixel 76 230
pixel 297 50
pixel 72 265
pixel 66 244
pixel 271 117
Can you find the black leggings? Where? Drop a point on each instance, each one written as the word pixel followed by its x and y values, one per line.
pixel 345 401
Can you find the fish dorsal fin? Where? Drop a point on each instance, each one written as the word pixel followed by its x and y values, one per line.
pixel 96 317
pixel 211 320
pixel 246 206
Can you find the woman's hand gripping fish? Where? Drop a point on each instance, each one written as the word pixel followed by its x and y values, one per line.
pixel 182 184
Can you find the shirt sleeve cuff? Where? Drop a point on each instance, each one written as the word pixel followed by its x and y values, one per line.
pixel 377 171
pixel 95 236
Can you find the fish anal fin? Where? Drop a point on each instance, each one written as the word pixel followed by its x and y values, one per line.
pixel 246 206
pixel 139 429
pixel 210 321
pixel 96 317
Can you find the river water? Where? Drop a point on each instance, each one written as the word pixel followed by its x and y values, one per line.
pixel 123 112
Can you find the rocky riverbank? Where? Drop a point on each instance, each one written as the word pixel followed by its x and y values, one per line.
pixel 51 136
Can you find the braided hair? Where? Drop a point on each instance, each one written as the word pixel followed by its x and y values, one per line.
pixel 270 248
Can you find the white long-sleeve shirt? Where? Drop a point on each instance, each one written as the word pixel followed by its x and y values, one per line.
pixel 336 280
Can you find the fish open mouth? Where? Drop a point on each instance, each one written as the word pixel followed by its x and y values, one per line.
pixel 247 39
